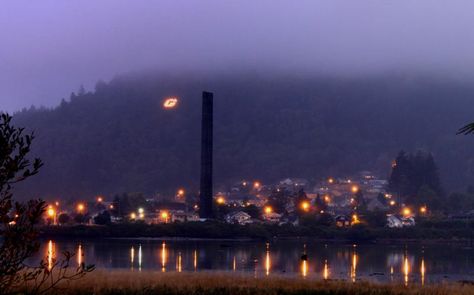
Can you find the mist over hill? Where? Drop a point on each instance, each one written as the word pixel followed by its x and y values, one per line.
pixel 118 138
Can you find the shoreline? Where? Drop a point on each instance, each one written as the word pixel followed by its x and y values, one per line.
pixel 284 239
pixel 219 231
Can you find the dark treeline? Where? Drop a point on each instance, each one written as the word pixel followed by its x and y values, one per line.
pixel 415 180
pixel 118 138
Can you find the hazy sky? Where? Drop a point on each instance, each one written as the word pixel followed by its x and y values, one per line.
pixel 50 48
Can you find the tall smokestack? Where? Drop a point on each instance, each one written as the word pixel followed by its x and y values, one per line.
pixel 205 198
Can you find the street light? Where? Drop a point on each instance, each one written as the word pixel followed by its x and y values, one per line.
pixel 165 215
pixel 355 219
pixel 220 200
pixel 80 207
pixel 423 210
pixel 52 213
pixel 305 205
pixel 354 189
pixel 406 212
pixel 268 209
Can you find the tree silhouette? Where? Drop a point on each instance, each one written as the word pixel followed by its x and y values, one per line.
pixel 466 129
pixel 18 233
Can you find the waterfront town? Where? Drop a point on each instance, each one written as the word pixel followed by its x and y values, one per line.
pixel 340 201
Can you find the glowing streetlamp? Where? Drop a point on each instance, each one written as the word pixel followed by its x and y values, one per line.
pixel 80 207
pixel 423 209
pixel 256 185
pixel 164 216
pixel 406 212
pixel 354 189
pixel 220 200
pixel 355 219
pixel 331 180
pixel 181 192
pixel 305 205
pixel 133 216
pixel 100 199
pixel 141 213
pixel 392 203
pixel 268 209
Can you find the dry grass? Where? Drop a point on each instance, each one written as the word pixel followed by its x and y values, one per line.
pixel 150 282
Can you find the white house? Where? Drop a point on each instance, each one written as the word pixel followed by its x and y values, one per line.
pixel 272 217
pixel 394 222
pixel 238 217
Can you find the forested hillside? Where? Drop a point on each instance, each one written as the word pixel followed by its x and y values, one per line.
pixel 118 138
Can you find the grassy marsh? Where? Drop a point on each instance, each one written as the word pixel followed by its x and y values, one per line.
pixel 151 282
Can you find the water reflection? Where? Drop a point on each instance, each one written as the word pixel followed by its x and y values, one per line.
pixel 178 263
pixel 268 263
pixel 422 271
pixel 140 258
pixel 195 260
pixel 326 270
pixel 80 255
pixel 354 265
pixel 406 269
pixel 333 261
pixel 50 254
pixel 163 257
pixel 132 256
pixel 304 262
pixel 304 268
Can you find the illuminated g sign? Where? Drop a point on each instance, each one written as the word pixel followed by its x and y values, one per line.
pixel 170 102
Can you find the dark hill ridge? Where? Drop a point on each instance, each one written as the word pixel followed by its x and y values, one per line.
pixel 119 138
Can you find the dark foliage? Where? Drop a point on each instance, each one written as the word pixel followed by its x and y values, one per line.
pixel 64 218
pixel 103 218
pixel 415 180
pixel 18 233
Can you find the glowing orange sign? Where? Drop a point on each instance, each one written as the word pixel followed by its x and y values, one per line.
pixel 170 102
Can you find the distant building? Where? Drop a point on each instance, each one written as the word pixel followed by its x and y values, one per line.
pixel 272 217
pixel 181 216
pixel 375 204
pixel 343 221
pixel 238 217
pixel 294 184
pixel 408 221
pixel 394 222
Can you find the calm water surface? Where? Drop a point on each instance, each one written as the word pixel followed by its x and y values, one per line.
pixel 407 264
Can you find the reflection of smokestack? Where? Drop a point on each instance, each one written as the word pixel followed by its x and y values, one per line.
pixel 205 199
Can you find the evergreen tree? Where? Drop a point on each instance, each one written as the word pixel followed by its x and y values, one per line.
pixel 320 204
pixel 415 180
pixel 360 202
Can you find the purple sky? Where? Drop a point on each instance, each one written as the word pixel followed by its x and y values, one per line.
pixel 50 48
